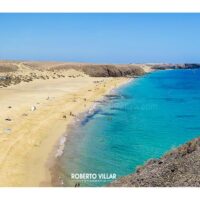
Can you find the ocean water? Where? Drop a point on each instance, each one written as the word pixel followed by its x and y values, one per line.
pixel 140 120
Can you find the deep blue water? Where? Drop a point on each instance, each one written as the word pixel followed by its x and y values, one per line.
pixel 147 117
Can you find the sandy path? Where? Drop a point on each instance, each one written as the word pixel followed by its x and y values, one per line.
pixel 27 141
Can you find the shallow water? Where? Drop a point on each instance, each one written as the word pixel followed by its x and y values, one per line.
pixel 141 120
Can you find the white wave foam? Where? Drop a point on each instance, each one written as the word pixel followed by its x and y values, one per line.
pixel 61 147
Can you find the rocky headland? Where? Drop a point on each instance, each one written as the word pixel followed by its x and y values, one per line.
pixel 177 168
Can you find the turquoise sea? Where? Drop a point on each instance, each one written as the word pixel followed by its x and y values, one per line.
pixel 138 121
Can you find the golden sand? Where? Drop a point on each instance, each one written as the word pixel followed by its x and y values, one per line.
pixel 34 116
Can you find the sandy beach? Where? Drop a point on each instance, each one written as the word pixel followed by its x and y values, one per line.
pixel 34 115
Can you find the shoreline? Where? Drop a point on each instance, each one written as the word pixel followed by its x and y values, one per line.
pixel 58 149
pixel 28 149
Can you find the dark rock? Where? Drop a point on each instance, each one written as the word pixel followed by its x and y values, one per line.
pixel 8 119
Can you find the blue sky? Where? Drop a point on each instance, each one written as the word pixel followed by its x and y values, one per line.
pixel 101 38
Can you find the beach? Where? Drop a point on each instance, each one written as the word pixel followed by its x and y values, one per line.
pixel 34 116
pixel 40 101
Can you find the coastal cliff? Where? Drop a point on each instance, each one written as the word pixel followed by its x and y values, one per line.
pixel 178 168
pixel 103 70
